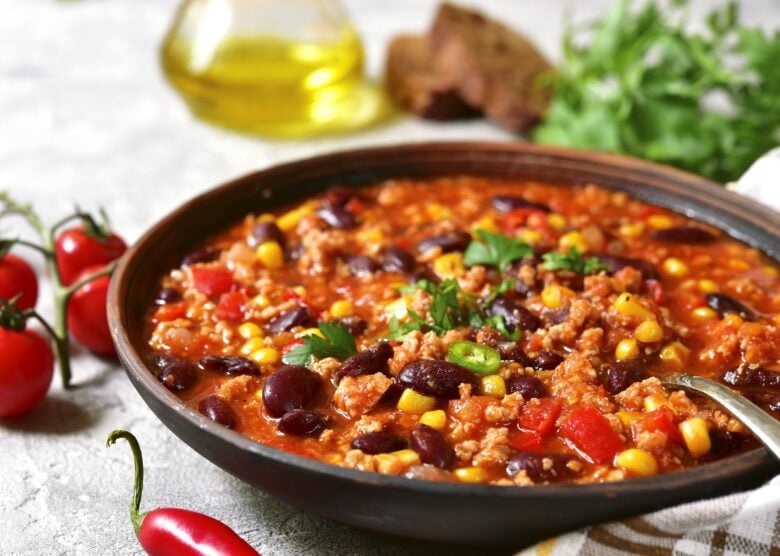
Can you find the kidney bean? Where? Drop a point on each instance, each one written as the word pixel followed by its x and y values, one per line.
pixel 291 387
pixel 511 351
pixel 615 263
pixel 622 374
pixel 392 394
pixel 423 273
pixel 362 265
pixel 378 442
pixel 724 442
pixel 167 295
pixel 218 410
pixel 684 234
pixel 524 290
pixel 300 422
pixel 769 400
pixel 354 324
pixel 200 256
pixel 432 447
pixel 571 280
pixel 537 469
pixel 369 361
pixel 338 196
pixel 723 304
pixel 752 375
pixel 298 316
pixel 556 316
pixel 266 231
pixel 447 242
pixel 528 386
pixel 396 259
pixel 337 217
pixel 515 315
pixel 230 365
pixel 547 360
pixel 505 203
pixel 176 373
pixel 432 377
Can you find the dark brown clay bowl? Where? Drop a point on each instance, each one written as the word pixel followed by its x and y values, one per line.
pixel 457 513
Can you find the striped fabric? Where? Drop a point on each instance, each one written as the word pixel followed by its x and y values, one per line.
pixel 747 523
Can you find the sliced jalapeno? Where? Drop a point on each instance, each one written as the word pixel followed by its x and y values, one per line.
pixel 475 357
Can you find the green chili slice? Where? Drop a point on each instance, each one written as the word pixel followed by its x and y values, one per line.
pixel 475 357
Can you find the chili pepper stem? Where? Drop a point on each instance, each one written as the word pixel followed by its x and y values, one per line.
pixel 138 483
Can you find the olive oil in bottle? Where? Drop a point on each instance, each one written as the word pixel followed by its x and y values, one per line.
pixel 286 69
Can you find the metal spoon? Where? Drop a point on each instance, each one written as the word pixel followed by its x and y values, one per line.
pixel 763 425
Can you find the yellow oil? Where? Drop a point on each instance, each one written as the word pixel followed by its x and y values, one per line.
pixel 269 85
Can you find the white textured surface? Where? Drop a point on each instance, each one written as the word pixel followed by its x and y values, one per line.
pixel 85 116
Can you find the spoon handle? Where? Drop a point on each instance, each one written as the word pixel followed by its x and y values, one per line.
pixel 761 424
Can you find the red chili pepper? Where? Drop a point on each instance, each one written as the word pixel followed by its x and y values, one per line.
pixel 231 306
pixel 592 434
pixel 540 417
pixel 173 531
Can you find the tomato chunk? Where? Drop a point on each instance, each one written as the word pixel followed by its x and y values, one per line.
pixel 231 306
pixel 663 420
pixel 172 311
pixel 540 417
pixel 516 218
pixel 525 441
pixel 591 433
pixel 212 280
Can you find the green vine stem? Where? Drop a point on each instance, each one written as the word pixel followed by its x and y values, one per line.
pixel 62 294
pixel 138 483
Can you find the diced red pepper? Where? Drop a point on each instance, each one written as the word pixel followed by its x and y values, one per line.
pixel 663 420
pixel 540 417
pixel 525 441
pixel 656 290
pixel 292 345
pixel 514 219
pixel 172 311
pixel 212 280
pixel 591 433
pixel 231 306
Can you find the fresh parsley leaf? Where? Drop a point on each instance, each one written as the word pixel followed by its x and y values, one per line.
pixel 338 343
pixel 572 261
pixel 497 322
pixel 495 250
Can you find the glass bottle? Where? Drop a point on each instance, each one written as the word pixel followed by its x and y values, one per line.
pixel 281 68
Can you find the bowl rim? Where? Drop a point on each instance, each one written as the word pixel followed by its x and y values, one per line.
pixel 143 378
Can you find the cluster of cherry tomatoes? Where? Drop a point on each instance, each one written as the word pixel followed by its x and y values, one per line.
pixel 26 357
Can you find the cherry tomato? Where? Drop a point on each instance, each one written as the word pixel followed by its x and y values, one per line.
pixel 16 277
pixel 87 319
pixel 76 250
pixel 25 375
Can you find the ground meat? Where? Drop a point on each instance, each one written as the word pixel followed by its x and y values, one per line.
pixel 356 459
pixel 320 250
pixel 591 341
pixel 416 346
pixel 580 312
pixel 758 342
pixel 598 286
pixel 474 279
pixel 683 405
pixel 633 397
pixel 465 450
pixel 238 388
pixel 494 448
pixel 366 424
pixel 505 410
pixel 325 367
pixel 420 302
pixel 241 260
pixel 357 395
pixel 629 278
pixel 576 381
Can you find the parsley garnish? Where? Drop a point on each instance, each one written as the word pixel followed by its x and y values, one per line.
pixel 338 343
pixel 573 261
pixel 496 250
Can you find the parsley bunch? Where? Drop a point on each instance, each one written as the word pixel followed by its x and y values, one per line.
pixel 573 261
pixel 338 342
pixel 646 85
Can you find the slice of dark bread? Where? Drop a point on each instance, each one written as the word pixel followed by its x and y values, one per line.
pixel 492 67
pixel 414 83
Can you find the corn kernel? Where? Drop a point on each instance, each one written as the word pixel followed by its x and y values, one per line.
pixel 371 236
pixel 266 217
pixel 265 356
pixel 674 354
pixel 733 320
pixel 704 313
pixel 398 308
pixel 649 331
pixel 289 220
pixel 342 308
pixel 573 239
pixel 252 344
pixel 637 461
pixel 310 332
pixel 417 404
pixel 625 304
pixel 493 385
pixel 449 265
pixel 770 271
pixel 708 286
pixel 259 395
pixel 629 417
pixel 627 348
pixel 470 474
pixel 696 436
pixel 660 221
pixel 488 223
pixel 437 211
pixel 249 330
pixel 435 419
pixel 407 456
pixel 260 301
pixel 529 236
pixel 554 295
pixel 300 291
pixel 387 464
pixel 633 229
pixel 777 320
pixel 556 221
pixel 675 267
pixel 270 254
pixel 656 401
pixel 738 264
